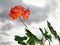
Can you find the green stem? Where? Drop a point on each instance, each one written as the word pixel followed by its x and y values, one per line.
pixel 23 23
pixel 59 43
pixel 42 43
pixel 49 42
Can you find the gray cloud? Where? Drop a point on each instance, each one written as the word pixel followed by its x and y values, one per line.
pixel 10 3
pixel 6 27
pixel 4 34
pixel 39 14
pixel 4 16
pixel 5 43
pixel 4 40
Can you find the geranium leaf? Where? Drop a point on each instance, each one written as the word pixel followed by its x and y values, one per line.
pixel 32 43
pixel 59 39
pixel 52 30
pixel 41 30
pixel 46 32
pixel 48 37
pixel 32 38
pixel 20 39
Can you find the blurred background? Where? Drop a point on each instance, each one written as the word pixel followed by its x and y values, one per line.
pixel 41 11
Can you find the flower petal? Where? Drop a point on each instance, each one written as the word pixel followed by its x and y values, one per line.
pixel 19 14
pixel 27 12
pixel 13 10
pixel 13 16
pixel 25 17
pixel 19 7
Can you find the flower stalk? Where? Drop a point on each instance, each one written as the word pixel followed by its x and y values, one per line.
pixel 23 22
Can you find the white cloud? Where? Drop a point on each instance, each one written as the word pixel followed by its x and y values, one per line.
pixel 40 3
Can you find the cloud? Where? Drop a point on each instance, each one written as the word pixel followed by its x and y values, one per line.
pixel 6 27
pixel 5 43
pixel 5 40
pixel 4 34
pixel 39 14
pixel 10 3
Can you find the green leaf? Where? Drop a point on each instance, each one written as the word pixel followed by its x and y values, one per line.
pixel 29 41
pixel 32 43
pixel 58 38
pixel 24 43
pixel 41 30
pixel 48 37
pixel 20 39
pixel 46 32
pixel 28 33
pixel 52 30
pixel 32 38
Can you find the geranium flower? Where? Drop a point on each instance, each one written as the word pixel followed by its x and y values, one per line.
pixel 19 7
pixel 19 11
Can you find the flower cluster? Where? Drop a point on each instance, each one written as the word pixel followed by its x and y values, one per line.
pixel 19 11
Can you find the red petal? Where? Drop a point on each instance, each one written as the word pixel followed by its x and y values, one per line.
pixel 25 17
pixel 19 14
pixel 13 10
pixel 27 12
pixel 13 16
pixel 19 7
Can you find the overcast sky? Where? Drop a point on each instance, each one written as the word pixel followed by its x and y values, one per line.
pixel 41 11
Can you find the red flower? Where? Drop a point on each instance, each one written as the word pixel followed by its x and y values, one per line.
pixel 13 16
pixel 19 7
pixel 27 12
pixel 19 11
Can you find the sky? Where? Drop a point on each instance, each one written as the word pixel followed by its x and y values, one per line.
pixel 41 11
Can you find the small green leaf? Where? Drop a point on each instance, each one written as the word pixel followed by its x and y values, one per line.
pixel 32 38
pixel 46 32
pixel 32 43
pixel 24 43
pixel 59 38
pixel 52 30
pixel 29 34
pixel 20 39
pixel 41 30
pixel 48 37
